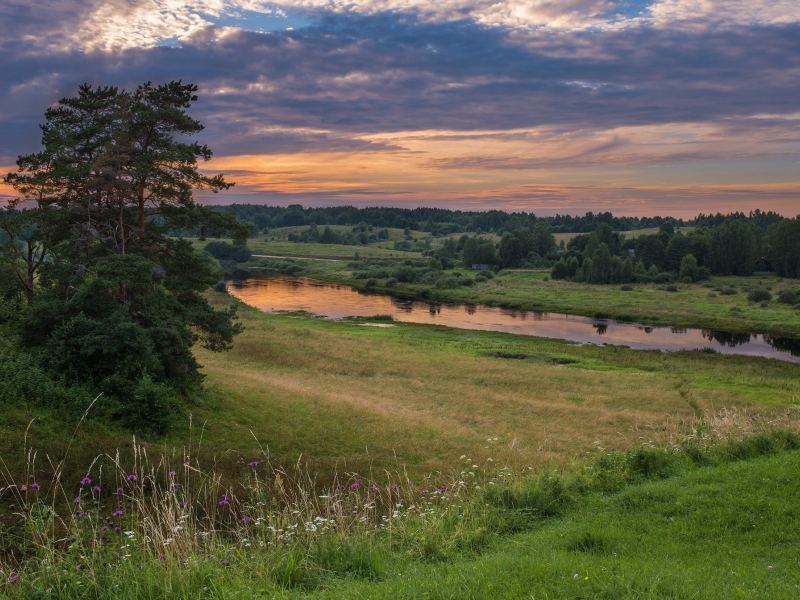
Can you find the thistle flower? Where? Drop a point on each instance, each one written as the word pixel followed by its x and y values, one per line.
pixel 117 513
pixel 120 491
pixel 253 464
pixel 35 486
pixel 171 474
pixel 77 500
pixel 86 481
pixel 576 576
pixel 23 489
pixel 224 500
pixel 175 486
pixel 246 519
pixel 96 489
pixel 132 477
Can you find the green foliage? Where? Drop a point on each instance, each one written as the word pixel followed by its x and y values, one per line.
pixel 759 295
pixel 688 268
pixel 732 248
pixel 785 247
pixel 117 305
pixel 477 250
pixel 224 251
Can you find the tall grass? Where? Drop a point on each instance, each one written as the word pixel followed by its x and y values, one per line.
pixel 162 525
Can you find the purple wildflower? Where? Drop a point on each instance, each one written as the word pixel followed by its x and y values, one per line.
pixel 116 529
pixel 373 489
pixel 23 489
pixel 575 576
pixel 424 492
pixel 35 486
pixel 77 500
pixel 224 500
pixel 120 491
pixel 444 488
pixel 340 487
pixel 96 489
pixel 253 464
pixel 132 477
pixel 770 567
pixel 394 487
pixel 162 557
pixel 410 482
pixel 104 528
pixel 181 504
pixel 171 474
pixel 117 513
pixel 353 486
pixel 86 481
pixel 246 519
pixel 13 578
pixel 80 566
pixel 175 486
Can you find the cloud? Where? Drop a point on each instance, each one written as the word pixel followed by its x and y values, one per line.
pixel 411 100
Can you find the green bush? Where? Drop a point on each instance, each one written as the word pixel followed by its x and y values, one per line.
pixel 626 288
pixel 728 291
pixel 759 295
pixel 221 287
pixel 788 297
pixel 226 251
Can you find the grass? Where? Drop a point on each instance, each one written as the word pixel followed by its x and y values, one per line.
pixel 697 520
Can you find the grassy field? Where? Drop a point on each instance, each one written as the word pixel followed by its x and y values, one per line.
pixel 420 396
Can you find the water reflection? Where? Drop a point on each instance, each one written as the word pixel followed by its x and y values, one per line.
pixel 278 293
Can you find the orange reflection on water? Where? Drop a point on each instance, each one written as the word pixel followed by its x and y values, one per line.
pixel 279 293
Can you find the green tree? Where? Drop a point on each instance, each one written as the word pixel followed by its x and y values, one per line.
pixel 732 248
pixel 688 268
pixel 118 304
pixel 543 240
pixel 784 238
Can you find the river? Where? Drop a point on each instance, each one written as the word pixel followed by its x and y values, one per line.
pixel 282 293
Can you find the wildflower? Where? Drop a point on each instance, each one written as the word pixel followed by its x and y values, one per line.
pixel 117 513
pixel 96 489
pixel 72 540
pixel 175 486
pixel 246 519
pixel 586 578
pixel 23 489
pixel 116 529
pixel 13 578
pixel 35 486
pixel 162 557
pixel 120 491
pixel 224 500
pixel 132 477
pixel 410 482
pixel 424 492
pixel 253 464
pixel 86 481
pixel 444 488
pixel 354 486
pixel 80 567
pixel 576 576
pixel 104 528
pixel 770 567
pixel 340 487
pixel 394 487
pixel 373 489
pixel 77 500
pixel 181 504
pixel 171 474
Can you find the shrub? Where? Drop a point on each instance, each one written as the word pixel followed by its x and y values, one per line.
pixel 226 251
pixel 686 279
pixel 728 291
pixel 712 295
pixel 788 297
pixel 626 288
pixel 662 278
pixel 671 288
pixel 220 287
pixel 480 279
pixel 391 282
pixel 372 282
pixel 759 295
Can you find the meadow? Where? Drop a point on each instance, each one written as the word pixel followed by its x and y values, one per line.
pixel 545 458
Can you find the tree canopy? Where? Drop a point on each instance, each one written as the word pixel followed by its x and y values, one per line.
pixel 114 303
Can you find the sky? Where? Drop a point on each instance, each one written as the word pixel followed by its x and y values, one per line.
pixel 669 107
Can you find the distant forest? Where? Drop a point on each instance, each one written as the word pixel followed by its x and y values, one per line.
pixel 440 221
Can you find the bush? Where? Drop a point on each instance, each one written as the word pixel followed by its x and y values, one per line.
pixel 671 288
pixel 391 282
pixel 788 297
pixel 662 278
pixel 686 279
pixel 759 295
pixel 712 295
pixel 728 291
pixel 480 279
pixel 226 251
pixel 372 282
pixel 220 287
pixel 626 288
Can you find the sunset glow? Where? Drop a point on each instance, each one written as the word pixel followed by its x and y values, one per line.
pixel 667 107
